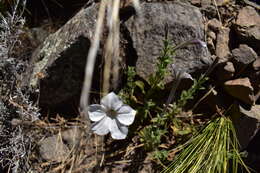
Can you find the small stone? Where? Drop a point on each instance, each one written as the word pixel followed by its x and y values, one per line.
pixel 209 9
pixel 226 71
pixel 53 149
pixel 241 89
pixel 255 81
pixel 205 2
pixel 243 56
pixel 256 64
pixel 211 45
pixel 196 2
pixel 222 44
pixel 214 24
pixel 72 136
pixel 212 35
pixel 254 112
pixel 222 2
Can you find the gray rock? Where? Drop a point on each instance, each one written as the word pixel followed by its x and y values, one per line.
pixel 243 56
pixel 38 34
pixel 255 80
pixel 184 22
pixel 72 136
pixel 254 112
pixel 209 9
pixel 241 89
pixel 53 149
pixel 57 66
pixel 247 123
pixel 248 26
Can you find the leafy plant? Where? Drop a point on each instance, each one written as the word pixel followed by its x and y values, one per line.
pixel 156 80
pixel 151 136
pixel 158 119
pixel 186 95
pixel 160 155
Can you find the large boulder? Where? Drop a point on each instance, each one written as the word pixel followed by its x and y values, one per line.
pixel 57 66
pixel 181 22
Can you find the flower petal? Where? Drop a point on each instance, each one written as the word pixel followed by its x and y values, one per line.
pixel 186 76
pixel 117 130
pixel 96 112
pixel 126 115
pixel 111 101
pixel 101 127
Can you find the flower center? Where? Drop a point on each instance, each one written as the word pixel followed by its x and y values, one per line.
pixel 111 113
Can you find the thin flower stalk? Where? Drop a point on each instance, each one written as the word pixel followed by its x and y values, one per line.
pixel 84 100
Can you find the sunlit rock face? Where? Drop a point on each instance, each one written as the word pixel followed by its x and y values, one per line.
pixel 180 22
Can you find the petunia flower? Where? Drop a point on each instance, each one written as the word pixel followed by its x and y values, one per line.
pixel 112 115
pixel 178 73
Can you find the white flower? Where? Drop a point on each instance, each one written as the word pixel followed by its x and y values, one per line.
pixel 111 116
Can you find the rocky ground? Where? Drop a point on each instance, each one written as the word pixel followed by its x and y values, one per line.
pixel 41 82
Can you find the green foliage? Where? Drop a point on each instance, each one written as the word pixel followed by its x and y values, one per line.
pixel 161 155
pixel 128 92
pixel 151 137
pixel 156 80
pixel 187 95
pixel 159 120
pixel 214 149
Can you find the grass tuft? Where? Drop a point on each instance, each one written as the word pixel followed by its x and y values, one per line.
pixel 214 149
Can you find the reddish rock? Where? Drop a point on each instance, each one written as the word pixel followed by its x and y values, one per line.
pixel 222 49
pixel 196 2
pixel 256 64
pixel 214 24
pixel 241 89
pixel 248 26
pixel 247 17
pixel 222 2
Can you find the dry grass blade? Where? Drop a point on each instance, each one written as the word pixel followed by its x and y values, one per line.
pixel 111 51
pixel 92 58
pixel 112 44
